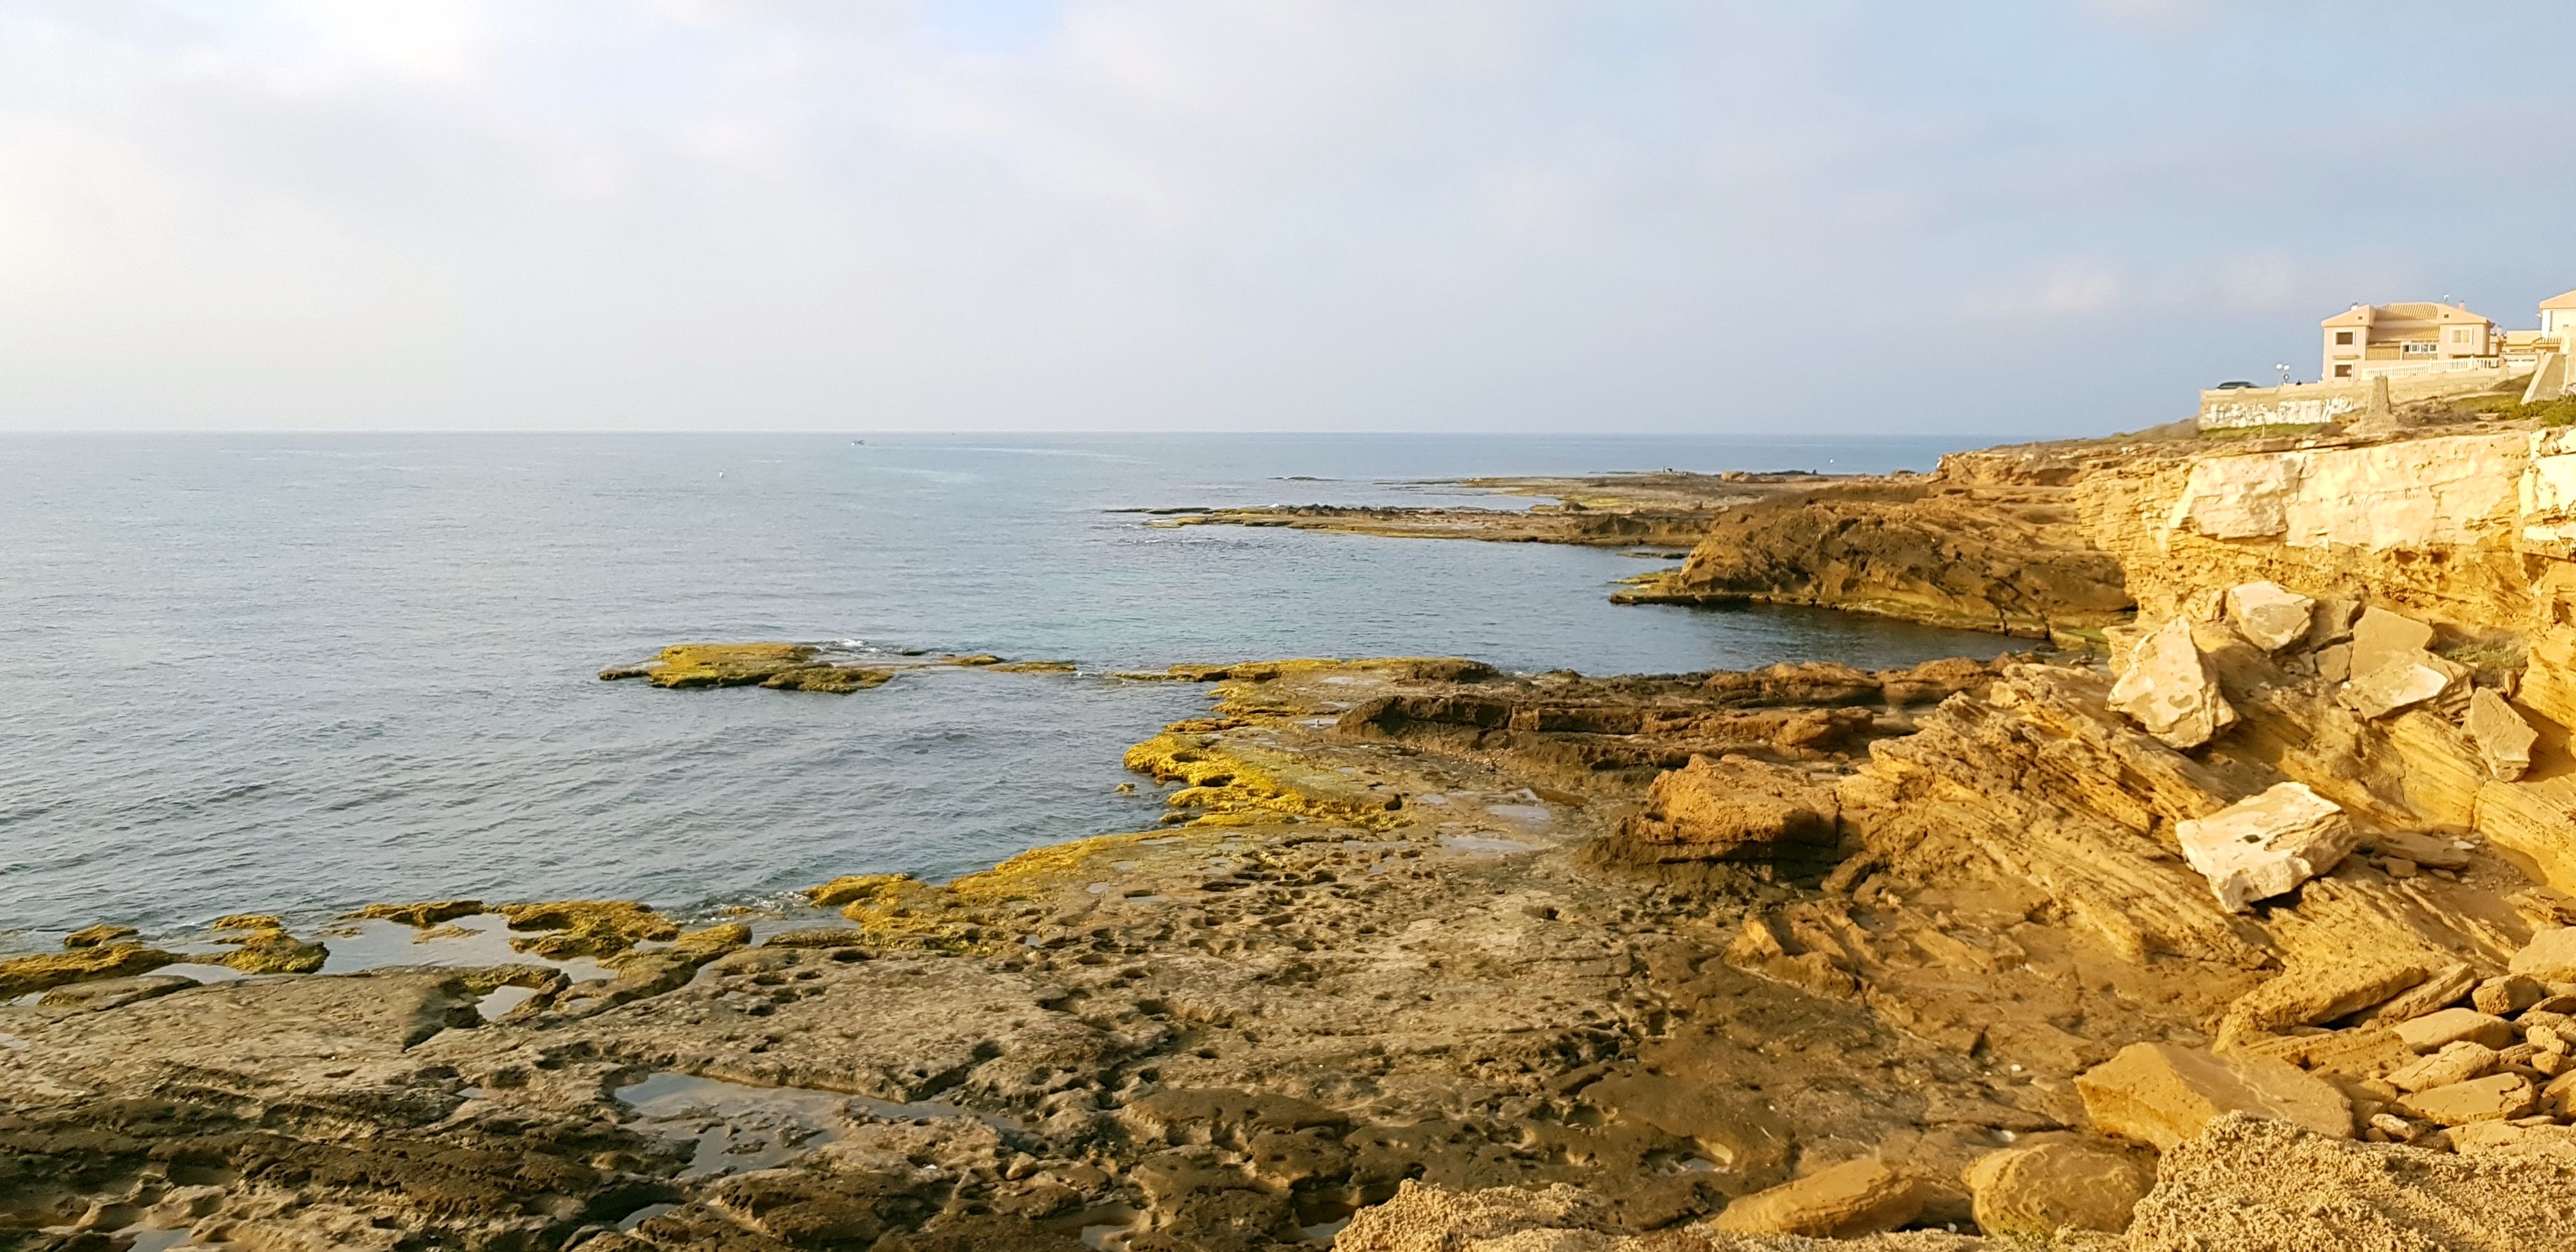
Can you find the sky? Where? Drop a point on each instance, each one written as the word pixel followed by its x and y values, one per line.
pixel 1686 216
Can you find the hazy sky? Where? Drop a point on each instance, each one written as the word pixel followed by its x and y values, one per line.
pixel 1502 215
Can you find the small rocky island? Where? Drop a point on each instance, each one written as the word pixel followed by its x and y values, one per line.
pixel 2236 917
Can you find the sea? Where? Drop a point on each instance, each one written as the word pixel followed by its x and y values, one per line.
pixel 297 673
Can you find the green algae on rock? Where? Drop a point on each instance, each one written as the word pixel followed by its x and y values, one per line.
pixel 80 964
pixel 1233 785
pixel 817 937
pixel 848 887
pixel 93 936
pixel 270 950
pixel 652 972
pixel 778 666
pixel 586 927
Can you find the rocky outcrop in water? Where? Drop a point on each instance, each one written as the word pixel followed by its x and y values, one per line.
pixel 778 666
pixel 2008 558
pixel 1669 510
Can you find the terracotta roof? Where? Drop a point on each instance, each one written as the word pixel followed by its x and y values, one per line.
pixel 2565 301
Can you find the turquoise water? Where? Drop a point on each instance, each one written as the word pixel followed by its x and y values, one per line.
pixel 285 673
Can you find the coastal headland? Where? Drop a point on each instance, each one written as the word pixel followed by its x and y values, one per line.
pixel 2236 914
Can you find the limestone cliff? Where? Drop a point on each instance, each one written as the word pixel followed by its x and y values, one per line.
pixel 2469 531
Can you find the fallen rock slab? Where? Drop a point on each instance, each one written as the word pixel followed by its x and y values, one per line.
pixel 2266 845
pixel 2549 957
pixel 2067 1184
pixel 2481 1138
pixel 2163 1094
pixel 2435 1031
pixel 2455 1063
pixel 2170 690
pixel 2494 1098
pixel 2380 638
pixel 2504 739
pixel 2401 684
pixel 2444 988
pixel 1854 1198
pixel 2308 996
pixel 2270 616
pixel 2509 994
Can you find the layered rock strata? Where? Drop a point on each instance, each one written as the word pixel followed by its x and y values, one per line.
pixel 1477 960
pixel 2007 558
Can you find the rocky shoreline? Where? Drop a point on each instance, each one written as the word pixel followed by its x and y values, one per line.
pixel 2242 923
pixel 1660 510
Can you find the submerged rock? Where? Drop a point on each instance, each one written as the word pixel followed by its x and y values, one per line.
pixel 2266 846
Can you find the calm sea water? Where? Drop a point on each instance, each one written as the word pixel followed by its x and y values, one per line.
pixel 293 673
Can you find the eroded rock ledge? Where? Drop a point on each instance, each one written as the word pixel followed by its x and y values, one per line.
pixel 1935 958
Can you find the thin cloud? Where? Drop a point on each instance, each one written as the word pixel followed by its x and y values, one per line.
pixel 1462 214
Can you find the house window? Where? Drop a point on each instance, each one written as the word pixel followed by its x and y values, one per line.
pixel 2459 336
pixel 2343 339
pixel 2343 371
pixel 2419 348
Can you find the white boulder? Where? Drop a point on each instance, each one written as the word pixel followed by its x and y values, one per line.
pixel 2168 688
pixel 2270 616
pixel 2266 845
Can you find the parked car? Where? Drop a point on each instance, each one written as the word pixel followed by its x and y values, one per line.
pixel 2232 384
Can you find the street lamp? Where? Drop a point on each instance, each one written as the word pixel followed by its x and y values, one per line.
pixel 2284 371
